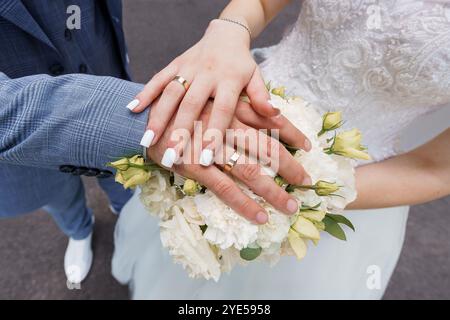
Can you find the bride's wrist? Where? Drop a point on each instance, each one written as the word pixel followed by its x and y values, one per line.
pixel 238 27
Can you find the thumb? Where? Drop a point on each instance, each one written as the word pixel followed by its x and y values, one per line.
pixel 259 96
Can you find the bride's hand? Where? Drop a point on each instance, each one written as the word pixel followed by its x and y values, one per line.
pixel 246 171
pixel 220 65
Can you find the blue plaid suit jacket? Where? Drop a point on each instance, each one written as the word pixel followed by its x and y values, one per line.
pixel 46 122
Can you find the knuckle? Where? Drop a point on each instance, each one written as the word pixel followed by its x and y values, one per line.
pixel 175 63
pixel 172 89
pixel 247 207
pixel 223 188
pixel 234 90
pixel 224 109
pixel 280 196
pixel 158 77
pixel 156 126
pixel 299 175
pixel 250 172
pixel 279 122
pixel 190 101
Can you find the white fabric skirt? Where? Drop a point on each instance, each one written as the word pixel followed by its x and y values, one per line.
pixel 358 268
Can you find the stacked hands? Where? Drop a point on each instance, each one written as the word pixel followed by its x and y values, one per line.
pixel 200 92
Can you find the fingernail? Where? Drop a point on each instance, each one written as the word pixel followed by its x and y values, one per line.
pixel 169 158
pixel 147 139
pixel 271 103
pixel 261 217
pixel 133 104
pixel 292 206
pixel 206 157
pixel 308 145
pixel 307 181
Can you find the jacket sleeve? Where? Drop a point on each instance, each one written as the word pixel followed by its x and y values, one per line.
pixel 76 119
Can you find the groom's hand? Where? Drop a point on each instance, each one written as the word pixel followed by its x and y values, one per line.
pixel 248 172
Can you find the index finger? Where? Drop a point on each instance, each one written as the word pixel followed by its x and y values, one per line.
pixel 289 133
pixel 222 114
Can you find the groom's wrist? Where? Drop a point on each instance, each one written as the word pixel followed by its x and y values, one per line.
pixel 123 130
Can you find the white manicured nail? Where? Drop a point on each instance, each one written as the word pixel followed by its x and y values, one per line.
pixel 147 139
pixel 206 158
pixel 169 158
pixel 133 104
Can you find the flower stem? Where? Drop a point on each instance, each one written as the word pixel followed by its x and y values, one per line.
pixel 321 132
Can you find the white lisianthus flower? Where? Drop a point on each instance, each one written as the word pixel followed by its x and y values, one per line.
pixel 158 196
pixel 226 228
pixel 188 247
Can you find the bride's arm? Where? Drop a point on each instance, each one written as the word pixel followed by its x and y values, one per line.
pixel 418 176
pixel 256 14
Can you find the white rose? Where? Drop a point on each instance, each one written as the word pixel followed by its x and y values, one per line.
pixel 158 195
pixel 225 227
pixel 274 231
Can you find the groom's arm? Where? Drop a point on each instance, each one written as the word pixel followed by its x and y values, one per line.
pixel 78 120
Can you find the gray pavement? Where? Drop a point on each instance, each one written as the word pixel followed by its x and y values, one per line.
pixel 32 248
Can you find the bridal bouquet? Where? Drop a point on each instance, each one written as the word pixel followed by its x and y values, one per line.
pixel 207 238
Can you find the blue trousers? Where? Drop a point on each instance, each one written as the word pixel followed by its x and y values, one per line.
pixel 71 213
pixel 60 194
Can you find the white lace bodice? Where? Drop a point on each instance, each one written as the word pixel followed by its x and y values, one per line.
pixel 382 62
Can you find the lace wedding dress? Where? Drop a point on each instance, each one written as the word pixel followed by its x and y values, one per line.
pixel 384 64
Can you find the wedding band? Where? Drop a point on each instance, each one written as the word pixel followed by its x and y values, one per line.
pixel 232 162
pixel 182 81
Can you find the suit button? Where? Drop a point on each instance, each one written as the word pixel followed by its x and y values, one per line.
pixel 56 69
pixel 79 171
pixel 68 35
pixel 105 174
pixel 91 172
pixel 82 68
pixel 66 169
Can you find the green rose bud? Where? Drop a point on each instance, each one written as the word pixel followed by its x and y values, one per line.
pixel 332 120
pixel 306 229
pixel 323 188
pixel 279 181
pixel 280 91
pixel 191 187
pixel 313 215
pixel 121 164
pixel 131 172
pixel 348 144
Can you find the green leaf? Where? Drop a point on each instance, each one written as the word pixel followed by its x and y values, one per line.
pixel 203 227
pixel 333 228
pixel 305 207
pixel 250 254
pixel 341 219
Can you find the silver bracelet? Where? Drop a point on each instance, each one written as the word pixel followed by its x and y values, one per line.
pixel 239 24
